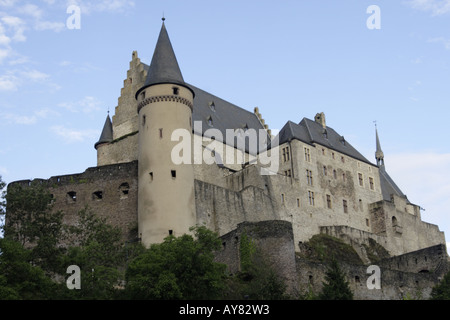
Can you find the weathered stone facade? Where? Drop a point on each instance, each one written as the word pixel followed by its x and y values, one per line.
pixel 321 185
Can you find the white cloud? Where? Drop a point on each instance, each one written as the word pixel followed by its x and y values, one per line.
pixel 8 83
pixel 88 7
pixel 18 119
pixel 436 7
pixel 86 105
pixel 17 25
pixel 73 135
pixel 445 42
pixel 425 179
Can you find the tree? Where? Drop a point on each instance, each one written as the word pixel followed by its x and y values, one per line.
pixel 178 268
pixel 441 291
pixel 32 223
pixel 99 252
pixel 335 287
pixel 19 279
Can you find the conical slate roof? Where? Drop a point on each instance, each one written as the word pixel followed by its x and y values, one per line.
pixel 164 67
pixel 107 133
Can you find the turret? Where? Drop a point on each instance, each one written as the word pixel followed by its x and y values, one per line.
pixel 166 202
pixel 379 155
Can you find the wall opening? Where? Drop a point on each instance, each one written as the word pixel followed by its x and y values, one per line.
pixel 71 196
pixel 173 173
pixel 124 189
pixel 97 195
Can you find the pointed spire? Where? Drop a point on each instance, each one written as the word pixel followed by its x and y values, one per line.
pixel 164 66
pixel 379 155
pixel 107 133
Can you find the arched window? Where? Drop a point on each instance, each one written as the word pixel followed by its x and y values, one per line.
pixel 394 221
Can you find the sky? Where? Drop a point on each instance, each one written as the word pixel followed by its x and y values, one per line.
pixel 60 75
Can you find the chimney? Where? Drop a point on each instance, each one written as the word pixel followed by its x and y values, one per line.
pixel 320 119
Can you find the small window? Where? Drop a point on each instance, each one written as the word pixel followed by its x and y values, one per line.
pixel 173 173
pixel 144 119
pixel 342 159
pixel 124 190
pixel 212 106
pixel 332 155
pixel 71 196
pixel 170 232
pixel 142 95
pixel 97 195
pixel 307 155
pixel 361 205
pixel 324 170
pixel 151 176
pixel 328 201
pixel 344 177
pixel 371 183
pixel 298 202
pixel 176 91
pixel 361 180
pixel 367 222
pixel 344 204
pixel 210 121
pixel 311 198
pixel 334 174
pixel 309 177
pixel 282 198
pixel 160 133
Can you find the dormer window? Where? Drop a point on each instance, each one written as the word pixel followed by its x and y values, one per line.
pixel 212 106
pixel 210 121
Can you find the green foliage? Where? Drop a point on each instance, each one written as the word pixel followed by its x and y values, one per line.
pixel 19 279
pixel 179 268
pixel 335 286
pixel 325 248
pixel 99 253
pixel 442 290
pixel 257 280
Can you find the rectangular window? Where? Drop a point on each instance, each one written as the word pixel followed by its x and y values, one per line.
pixel 282 198
pixel 287 173
pixel 151 176
pixel 309 177
pixel 173 173
pixel 160 133
pixel 334 174
pixel 361 180
pixel 307 155
pixel 286 154
pixel 344 203
pixel 328 201
pixel 324 170
pixel 371 183
pixel 298 202
pixel 311 198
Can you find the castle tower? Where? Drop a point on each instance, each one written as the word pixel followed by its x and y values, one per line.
pixel 166 203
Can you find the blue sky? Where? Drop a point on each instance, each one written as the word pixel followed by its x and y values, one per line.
pixel 292 59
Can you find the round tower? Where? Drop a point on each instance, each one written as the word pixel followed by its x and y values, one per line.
pixel 166 201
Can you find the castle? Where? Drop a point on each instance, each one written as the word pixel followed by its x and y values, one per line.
pixel 175 156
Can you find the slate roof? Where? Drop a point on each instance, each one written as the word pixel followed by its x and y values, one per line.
pixel 388 186
pixel 310 132
pixel 164 66
pixel 107 133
